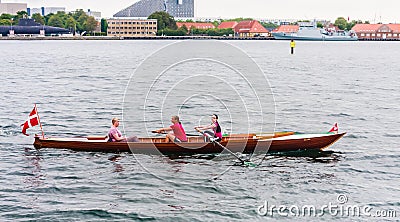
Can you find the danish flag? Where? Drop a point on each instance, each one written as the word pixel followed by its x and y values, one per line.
pixel 32 121
pixel 334 129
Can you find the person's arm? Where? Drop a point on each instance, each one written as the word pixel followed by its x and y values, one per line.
pixel 118 138
pixel 161 130
pixel 212 126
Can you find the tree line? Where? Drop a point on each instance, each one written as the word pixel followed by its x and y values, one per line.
pixel 166 25
pixel 7 19
pixel 343 24
pixel 77 20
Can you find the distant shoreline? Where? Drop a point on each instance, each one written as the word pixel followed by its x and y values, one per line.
pixel 131 38
pixel 28 38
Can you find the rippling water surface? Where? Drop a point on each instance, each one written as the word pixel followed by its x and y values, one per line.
pixel 79 86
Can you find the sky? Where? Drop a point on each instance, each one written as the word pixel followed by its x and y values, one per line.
pixel 385 11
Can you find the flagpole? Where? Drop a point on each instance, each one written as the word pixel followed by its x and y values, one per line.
pixel 40 124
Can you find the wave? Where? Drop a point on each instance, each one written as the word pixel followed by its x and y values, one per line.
pixel 340 115
pixel 391 135
pixel 353 136
pixel 72 215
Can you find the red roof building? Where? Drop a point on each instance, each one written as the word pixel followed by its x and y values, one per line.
pixel 377 31
pixel 287 28
pixel 250 29
pixel 227 25
pixel 197 25
pixel 394 27
pixel 366 28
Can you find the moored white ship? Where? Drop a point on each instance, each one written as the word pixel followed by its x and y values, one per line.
pixel 309 32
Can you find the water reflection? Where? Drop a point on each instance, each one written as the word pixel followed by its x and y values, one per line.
pixel 117 167
pixel 36 176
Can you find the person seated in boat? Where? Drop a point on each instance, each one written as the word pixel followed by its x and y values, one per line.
pixel 216 128
pixel 178 133
pixel 114 135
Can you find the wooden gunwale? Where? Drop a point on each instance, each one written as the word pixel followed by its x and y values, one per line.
pixel 196 145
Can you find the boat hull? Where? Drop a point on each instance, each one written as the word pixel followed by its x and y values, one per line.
pixel 197 146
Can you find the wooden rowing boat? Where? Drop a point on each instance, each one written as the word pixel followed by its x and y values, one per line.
pixel 243 143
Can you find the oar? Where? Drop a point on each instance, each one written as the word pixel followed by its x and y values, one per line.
pixel 187 134
pixel 216 142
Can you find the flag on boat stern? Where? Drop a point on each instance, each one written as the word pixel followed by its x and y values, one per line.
pixel 32 121
pixel 334 129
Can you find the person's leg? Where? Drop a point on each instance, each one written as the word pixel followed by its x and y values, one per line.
pixel 169 137
pixel 133 139
pixel 207 135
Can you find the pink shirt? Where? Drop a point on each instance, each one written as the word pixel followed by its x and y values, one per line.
pixel 217 134
pixel 114 131
pixel 179 132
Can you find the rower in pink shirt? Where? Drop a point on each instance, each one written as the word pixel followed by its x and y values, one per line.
pixel 114 135
pixel 178 133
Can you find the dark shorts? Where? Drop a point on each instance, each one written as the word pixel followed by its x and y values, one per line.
pixel 211 136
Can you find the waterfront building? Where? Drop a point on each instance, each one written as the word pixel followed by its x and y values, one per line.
pixel 144 8
pixel 96 15
pixel 197 25
pixel 45 10
pixel 287 29
pixel 12 8
pixel 250 28
pixel 131 27
pixel 377 31
pixel 227 25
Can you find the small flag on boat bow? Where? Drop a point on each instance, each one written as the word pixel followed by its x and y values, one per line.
pixel 334 129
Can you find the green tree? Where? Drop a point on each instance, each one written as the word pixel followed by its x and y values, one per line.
pixel 5 22
pixel 239 19
pixel 56 21
pixel 47 18
pixel 6 16
pixel 22 14
pixel 14 18
pixel 90 24
pixel 164 20
pixel 351 24
pixel 341 23
pixel 269 25
pixel 227 32
pixel 104 25
pixel 38 18
pixel 80 17
pixel 215 23
pixel 78 13
pixel 174 32
pixel 81 22
pixel 70 23
pixel 320 25
pixel 185 28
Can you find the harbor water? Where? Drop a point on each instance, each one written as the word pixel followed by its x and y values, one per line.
pixel 79 86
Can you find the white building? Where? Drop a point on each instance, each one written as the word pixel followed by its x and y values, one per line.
pixel 96 15
pixel 45 10
pixel 12 8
